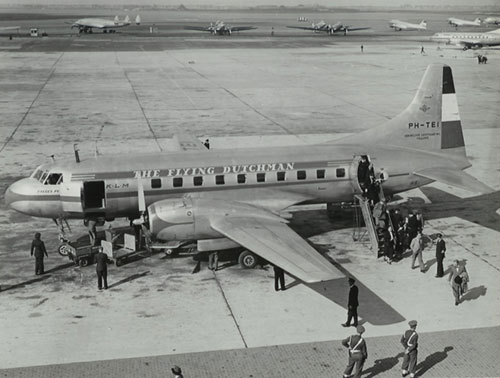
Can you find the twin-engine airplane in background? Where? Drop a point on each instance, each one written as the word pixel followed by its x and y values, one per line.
pixel 220 28
pixel 459 22
pixel 331 29
pixel 492 21
pixel 239 197
pixel 85 25
pixel 468 40
pixel 402 25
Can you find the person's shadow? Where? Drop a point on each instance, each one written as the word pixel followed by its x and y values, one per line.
pixel 474 293
pixel 432 360
pixel 382 365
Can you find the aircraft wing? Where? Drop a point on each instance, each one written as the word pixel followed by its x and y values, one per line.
pixel 188 142
pixel 302 27
pixel 241 28
pixel 3 28
pixel 277 243
pixel 198 28
pixel 354 29
pixel 456 178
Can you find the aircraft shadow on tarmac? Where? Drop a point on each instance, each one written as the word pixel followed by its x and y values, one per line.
pixel 26 283
pixel 480 209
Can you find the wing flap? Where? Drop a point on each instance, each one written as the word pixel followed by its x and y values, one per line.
pixel 456 178
pixel 188 142
pixel 278 244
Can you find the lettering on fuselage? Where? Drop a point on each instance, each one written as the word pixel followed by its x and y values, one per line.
pixel 124 185
pixel 426 125
pixel 199 171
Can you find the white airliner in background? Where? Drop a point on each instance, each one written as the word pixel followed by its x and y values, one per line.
pixel 331 29
pixel 402 25
pixel 220 28
pixel 459 22
pixel 239 197
pixel 492 20
pixel 469 40
pixel 85 25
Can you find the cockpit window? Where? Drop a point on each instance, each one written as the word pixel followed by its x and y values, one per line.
pixel 37 174
pixel 53 179
pixel 43 178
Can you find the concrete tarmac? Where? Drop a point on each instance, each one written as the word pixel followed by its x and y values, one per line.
pixel 135 99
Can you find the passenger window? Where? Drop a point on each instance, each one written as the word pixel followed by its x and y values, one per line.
pixel 242 178
pixel 198 180
pixel 177 182
pixel 301 175
pixel 280 176
pixel 219 180
pixel 320 173
pixel 261 177
pixel 155 183
pixel 340 172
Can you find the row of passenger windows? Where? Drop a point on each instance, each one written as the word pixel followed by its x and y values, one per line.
pixel 241 178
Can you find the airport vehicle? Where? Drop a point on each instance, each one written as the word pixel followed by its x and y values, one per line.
pixel 492 21
pixel 239 197
pixel 469 40
pixel 403 25
pixel 331 29
pixel 459 22
pixel 86 25
pixel 220 28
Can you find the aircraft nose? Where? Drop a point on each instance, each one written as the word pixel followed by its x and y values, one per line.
pixel 17 195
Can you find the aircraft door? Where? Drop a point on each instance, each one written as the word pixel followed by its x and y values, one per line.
pixel 354 170
pixel 70 194
pixel 94 196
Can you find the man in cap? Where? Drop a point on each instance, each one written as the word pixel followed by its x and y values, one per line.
pixel 409 340
pixel 357 353
pixel 177 372
pixel 440 250
pixel 101 268
pixel 38 248
pixel 352 304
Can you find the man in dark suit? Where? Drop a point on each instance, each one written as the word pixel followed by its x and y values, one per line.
pixel 279 278
pixel 102 269
pixel 352 304
pixel 38 248
pixel 440 250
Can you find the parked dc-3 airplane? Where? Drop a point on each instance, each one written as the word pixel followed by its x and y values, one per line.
pixel 402 25
pixel 239 197
pixel 459 22
pixel 85 25
pixel 331 29
pixel 492 20
pixel 469 40
pixel 220 28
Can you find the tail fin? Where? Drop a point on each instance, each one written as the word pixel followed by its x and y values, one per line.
pixel 138 20
pixel 126 20
pixel 423 23
pixel 431 122
pixel 116 20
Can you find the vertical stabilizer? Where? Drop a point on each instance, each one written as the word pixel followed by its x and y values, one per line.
pixel 430 122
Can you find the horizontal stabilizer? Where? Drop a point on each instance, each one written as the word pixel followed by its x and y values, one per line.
pixel 455 178
pixel 277 243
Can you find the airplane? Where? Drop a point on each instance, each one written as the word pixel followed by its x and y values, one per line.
pixel 492 20
pixel 85 25
pixel 322 26
pixel 239 197
pixel 9 28
pixel 469 40
pixel 402 25
pixel 220 28
pixel 459 22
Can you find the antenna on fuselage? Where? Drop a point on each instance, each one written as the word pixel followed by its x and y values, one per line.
pixel 53 158
pixel 77 155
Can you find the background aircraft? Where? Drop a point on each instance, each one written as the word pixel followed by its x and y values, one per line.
pixel 459 22
pixel 85 25
pixel 220 28
pixel 469 40
pixel 402 25
pixel 240 197
pixel 492 20
pixel 9 28
pixel 322 26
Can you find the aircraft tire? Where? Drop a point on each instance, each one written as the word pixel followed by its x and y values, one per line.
pixel 248 260
pixel 63 249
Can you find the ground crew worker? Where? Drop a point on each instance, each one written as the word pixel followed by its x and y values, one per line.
pixel 213 260
pixel 409 340
pixel 207 144
pixel 102 269
pixel 279 278
pixel 440 250
pixel 357 353
pixel 177 372
pixel 38 247
pixel 352 304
